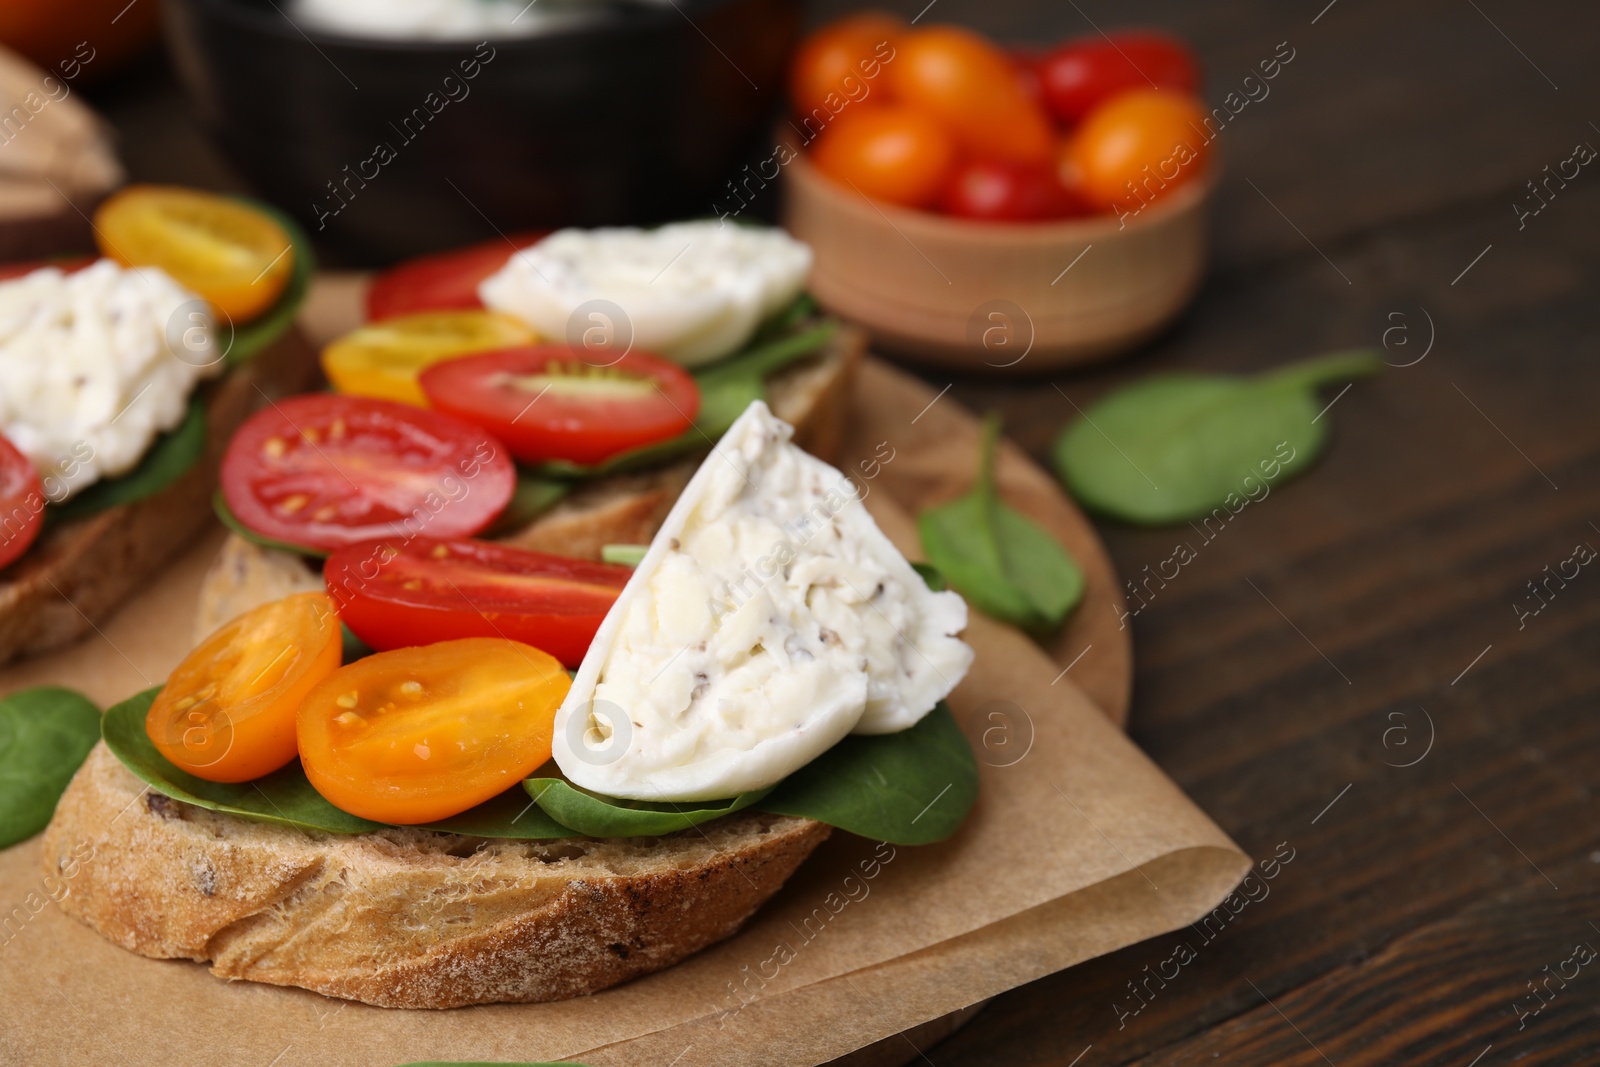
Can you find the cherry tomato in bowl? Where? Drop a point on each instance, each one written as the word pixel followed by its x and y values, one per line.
pixel 550 402
pixel 1080 75
pixel 419 734
pixel 971 86
pixel 325 471
pixel 890 152
pixel 1136 148
pixel 992 191
pixel 838 66
pixel 396 593
pixel 383 359
pixel 227 714
pixel 21 502
pixel 443 281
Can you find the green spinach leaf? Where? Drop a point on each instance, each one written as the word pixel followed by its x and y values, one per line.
pixel 598 816
pixel 998 558
pixel 240 343
pixel 286 798
pixel 45 734
pixel 726 389
pixel 533 496
pixel 170 458
pixel 623 555
pixel 1177 446
pixel 908 788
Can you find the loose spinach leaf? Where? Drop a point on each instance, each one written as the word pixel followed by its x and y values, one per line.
pixel 45 734
pixel 597 816
pixel 170 458
pixel 931 577
pixel 533 496
pixel 225 515
pixel 1177 446
pixel 240 343
pixel 908 788
pixel 726 389
pixel 286 798
pixel 998 558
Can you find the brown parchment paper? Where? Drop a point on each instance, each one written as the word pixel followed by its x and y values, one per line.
pixel 1078 846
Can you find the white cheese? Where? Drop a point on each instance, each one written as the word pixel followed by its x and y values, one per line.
pixel 433 20
pixel 769 618
pixel 95 365
pixel 692 291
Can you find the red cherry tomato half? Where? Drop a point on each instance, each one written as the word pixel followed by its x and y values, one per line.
pixel 551 402
pixel 394 594
pixel 444 281
pixel 1005 192
pixel 326 471
pixel 21 503
pixel 1082 74
pixel 67 265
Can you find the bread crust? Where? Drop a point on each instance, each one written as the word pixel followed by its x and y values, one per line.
pixel 77 573
pixel 405 918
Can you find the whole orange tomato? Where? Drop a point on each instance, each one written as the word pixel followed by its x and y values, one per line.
pixel 1134 148
pixel 890 152
pixel 843 61
pixel 971 86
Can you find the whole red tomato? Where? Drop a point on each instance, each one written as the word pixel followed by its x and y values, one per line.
pixel 1007 192
pixel 1082 74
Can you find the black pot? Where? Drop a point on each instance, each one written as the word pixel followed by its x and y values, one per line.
pixel 385 148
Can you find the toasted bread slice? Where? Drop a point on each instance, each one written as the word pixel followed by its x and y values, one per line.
pixel 77 573
pixel 405 918
pixel 619 509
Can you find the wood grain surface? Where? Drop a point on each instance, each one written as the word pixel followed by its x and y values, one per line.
pixel 1348 618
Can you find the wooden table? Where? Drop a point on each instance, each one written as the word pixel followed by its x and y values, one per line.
pixel 1344 671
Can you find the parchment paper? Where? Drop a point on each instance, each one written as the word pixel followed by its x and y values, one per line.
pixel 1078 846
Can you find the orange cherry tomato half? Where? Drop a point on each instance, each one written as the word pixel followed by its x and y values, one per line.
pixel 324 471
pixel 839 65
pixel 443 281
pixel 227 714
pixel 971 85
pixel 1135 148
pixel 551 402
pixel 398 593
pixel 420 734
pixel 21 502
pixel 891 152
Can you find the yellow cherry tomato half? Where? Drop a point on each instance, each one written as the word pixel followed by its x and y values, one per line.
pixel 383 359
pixel 237 257
pixel 227 714
pixel 419 734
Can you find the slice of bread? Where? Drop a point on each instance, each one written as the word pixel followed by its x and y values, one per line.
pixel 619 509
pixel 405 918
pixel 77 573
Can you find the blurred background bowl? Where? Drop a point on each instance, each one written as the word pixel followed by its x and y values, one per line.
pixel 999 297
pixel 636 115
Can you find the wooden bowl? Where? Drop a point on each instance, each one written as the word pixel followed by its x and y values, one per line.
pixel 999 297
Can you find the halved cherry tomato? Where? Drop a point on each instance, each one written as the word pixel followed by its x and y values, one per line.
pixel 838 66
pixel 1135 148
pixel 444 281
pixel 327 471
pixel 65 264
pixel 1005 192
pixel 21 502
pixel 969 84
pixel 397 593
pixel 383 359
pixel 420 734
pixel 551 402
pixel 1081 75
pixel 889 152
pixel 238 258
pixel 227 714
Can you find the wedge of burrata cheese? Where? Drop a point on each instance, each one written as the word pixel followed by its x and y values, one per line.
pixel 769 618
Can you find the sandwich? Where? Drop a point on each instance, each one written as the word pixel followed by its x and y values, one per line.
pixel 121 377
pixel 460 821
